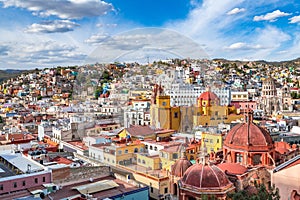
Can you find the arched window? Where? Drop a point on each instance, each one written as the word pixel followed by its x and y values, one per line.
pixel 239 157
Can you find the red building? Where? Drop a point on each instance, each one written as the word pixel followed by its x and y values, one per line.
pixel 249 144
pixel 202 180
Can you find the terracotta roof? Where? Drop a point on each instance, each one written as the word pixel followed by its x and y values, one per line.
pixel 233 168
pixel 140 130
pixel 180 166
pixel 248 136
pixel 208 95
pixel 61 160
pixel 282 147
pixel 205 177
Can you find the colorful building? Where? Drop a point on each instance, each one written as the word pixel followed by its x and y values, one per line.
pixel 212 141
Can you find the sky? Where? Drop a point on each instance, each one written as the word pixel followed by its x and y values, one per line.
pixel 39 33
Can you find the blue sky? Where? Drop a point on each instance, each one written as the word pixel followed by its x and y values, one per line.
pixel 39 33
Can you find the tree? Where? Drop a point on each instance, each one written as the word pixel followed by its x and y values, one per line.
pixel 262 194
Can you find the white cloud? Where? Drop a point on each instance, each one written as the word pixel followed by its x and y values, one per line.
pixel 198 24
pixel 271 16
pixel 236 11
pixel 96 39
pixel 51 26
pixel 139 43
pixel 64 9
pixel 100 25
pixel 243 46
pixel 36 54
pixel 295 19
pixel 271 40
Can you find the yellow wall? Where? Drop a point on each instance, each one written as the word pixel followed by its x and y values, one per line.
pixel 123 134
pixel 175 118
pixel 158 185
pixel 152 162
pixel 123 155
pixel 167 159
pixel 109 159
pixel 211 141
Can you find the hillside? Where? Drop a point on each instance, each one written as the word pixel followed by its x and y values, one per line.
pixel 9 73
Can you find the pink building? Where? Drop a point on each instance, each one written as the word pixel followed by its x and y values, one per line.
pixel 286 178
pixel 24 181
pixel 245 104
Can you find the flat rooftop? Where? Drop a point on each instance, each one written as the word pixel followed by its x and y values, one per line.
pixel 117 187
pixel 22 162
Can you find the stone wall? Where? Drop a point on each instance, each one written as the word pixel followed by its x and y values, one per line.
pixel 66 175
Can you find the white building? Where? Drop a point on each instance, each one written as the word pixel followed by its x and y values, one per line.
pixel 138 114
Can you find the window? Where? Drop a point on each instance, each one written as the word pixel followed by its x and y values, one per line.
pixel 146 146
pixel 119 152
pixel 161 154
pixel 164 103
pixel 166 190
pixel 151 189
pixel 175 155
pixel 141 149
pixel 218 141
pixel 1 187
pixel 176 115
pixel 136 150
pixel 15 184
pixel 126 151
pixel 44 179
pixel 36 180
pixel 151 148
pixel 143 161
pixel 139 160
pixel 24 183
pixel 155 148
pixel 239 157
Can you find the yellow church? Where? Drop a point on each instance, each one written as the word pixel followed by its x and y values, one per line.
pixel 207 112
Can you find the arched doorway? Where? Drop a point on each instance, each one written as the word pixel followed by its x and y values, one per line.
pixel 175 189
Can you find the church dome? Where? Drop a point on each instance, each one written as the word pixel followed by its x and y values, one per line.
pixel 207 96
pixel 248 136
pixel 180 166
pixel 205 177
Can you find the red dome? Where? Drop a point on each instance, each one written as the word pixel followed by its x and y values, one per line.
pixel 180 166
pixel 205 176
pixel 207 96
pixel 248 136
pixel 233 168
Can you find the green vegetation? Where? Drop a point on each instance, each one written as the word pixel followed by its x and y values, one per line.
pixel 261 194
pixel 295 95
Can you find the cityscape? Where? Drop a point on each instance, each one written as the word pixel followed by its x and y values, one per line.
pixel 102 100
